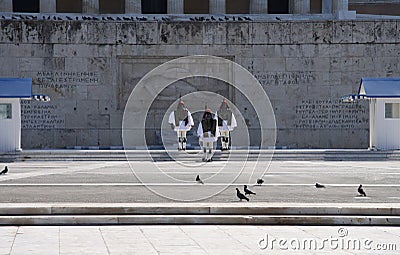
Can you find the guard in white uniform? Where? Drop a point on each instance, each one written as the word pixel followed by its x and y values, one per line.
pixel 226 123
pixel 181 121
pixel 208 133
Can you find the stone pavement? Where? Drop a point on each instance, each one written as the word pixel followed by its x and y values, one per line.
pixel 195 239
pixel 116 182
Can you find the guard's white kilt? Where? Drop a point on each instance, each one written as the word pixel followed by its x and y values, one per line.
pixel 208 138
pixel 226 127
pixel 182 126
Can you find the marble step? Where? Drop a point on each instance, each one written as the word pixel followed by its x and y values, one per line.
pixel 162 155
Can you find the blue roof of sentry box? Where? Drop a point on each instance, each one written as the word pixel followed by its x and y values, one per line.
pixel 379 87
pixel 16 87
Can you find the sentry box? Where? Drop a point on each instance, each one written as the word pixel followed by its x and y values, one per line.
pixel 384 111
pixel 12 90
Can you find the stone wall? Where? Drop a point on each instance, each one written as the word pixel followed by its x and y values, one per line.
pixel 89 68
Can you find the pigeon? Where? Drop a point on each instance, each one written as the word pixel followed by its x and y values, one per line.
pixel 199 180
pixel 68 17
pixel 240 19
pixel 318 186
pixel 240 195
pixel 361 191
pixel 212 18
pixel 260 181
pixel 4 171
pixel 247 191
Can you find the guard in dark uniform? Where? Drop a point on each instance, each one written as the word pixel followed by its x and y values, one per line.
pixel 208 133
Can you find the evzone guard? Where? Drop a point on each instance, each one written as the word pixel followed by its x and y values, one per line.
pixel 181 121
pixel 208 133
pixel 226 123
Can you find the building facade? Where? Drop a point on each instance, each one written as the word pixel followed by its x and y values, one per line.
pixel 89 55
pixel 381 7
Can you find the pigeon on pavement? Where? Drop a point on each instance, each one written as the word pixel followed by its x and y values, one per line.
pixel 361 191
pixel 260 181
pixel 240 195
pixel 318 186
pixel 5 170
pixel 247 191
pixel 199 180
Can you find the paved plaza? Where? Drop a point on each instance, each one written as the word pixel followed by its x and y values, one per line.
pixel 116 182
pixel 199 240
pixel 286 182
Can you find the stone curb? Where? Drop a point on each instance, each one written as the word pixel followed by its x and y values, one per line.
pixel 200 213
pixel 198 219
pixel 243 208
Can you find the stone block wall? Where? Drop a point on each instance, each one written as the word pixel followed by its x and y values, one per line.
pixel 90 67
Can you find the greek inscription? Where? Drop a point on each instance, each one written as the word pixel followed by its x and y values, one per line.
pixel 284 79
pixel 330 114
pixel 67 80
pixel 38 115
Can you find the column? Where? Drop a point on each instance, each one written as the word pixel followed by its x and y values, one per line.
pixel 300 6
pixel 175 7
pixel 340 5
pixel 6 6
pixel 217 6
pixel 327 6
pixel 48 6
pixel 133 6
pixel 258 6
pixel 90 6
pixel 340 9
